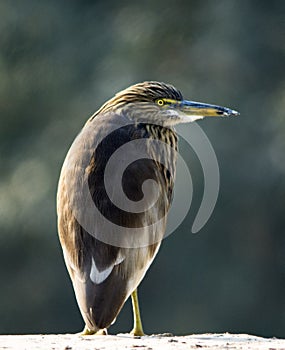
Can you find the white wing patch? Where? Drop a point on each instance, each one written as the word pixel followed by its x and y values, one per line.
pixel 97 276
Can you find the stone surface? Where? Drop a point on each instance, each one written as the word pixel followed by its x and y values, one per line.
pixel 125 341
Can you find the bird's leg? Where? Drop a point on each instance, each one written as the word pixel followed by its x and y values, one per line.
pixel 87 331
pixel 138 328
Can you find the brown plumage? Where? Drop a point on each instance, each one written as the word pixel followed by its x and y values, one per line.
pixel 106 264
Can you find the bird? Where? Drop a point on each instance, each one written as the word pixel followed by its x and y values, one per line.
pixel 110 237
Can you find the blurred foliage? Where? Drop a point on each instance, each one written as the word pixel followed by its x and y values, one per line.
pixel 59 61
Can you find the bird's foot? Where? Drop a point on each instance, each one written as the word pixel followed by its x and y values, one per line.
pixel 137 332
pixel 87 331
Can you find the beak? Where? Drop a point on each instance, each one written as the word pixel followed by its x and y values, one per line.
pixel 197 110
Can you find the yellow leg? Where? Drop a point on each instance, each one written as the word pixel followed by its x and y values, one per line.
pixel 87 331
pixel 138 328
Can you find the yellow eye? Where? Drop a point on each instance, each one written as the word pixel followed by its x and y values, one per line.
pixel 160 102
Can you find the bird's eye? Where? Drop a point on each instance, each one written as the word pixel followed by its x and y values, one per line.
pixel 160 102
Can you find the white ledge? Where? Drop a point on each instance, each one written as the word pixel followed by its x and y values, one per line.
pixel 125 341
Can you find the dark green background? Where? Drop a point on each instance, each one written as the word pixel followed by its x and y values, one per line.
pixel 59 61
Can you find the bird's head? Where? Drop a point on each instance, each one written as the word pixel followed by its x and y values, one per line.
pixel 160 103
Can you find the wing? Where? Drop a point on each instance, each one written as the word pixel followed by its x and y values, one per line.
pixel 104 262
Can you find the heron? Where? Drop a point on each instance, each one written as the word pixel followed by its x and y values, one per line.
pixel 108 246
